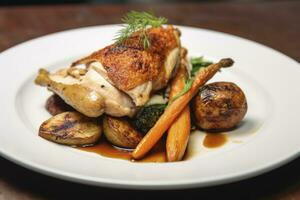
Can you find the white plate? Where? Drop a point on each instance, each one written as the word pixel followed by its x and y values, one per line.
pixel 268 137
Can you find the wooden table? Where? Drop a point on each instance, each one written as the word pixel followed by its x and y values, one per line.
pixel 273 23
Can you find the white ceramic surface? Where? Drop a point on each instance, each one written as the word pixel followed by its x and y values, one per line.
pixel 267 138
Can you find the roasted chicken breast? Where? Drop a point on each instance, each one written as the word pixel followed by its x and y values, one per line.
pixel 119 77
pixel 135 70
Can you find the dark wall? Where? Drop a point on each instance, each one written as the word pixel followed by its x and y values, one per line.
pixel 41 2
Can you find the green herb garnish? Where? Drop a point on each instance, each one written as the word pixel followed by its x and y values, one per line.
pixel 187 87
pixel 197 63
pixel 139 21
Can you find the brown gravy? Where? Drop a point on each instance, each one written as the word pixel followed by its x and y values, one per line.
pixel 214 140
pixel 104 148
pixel 157 154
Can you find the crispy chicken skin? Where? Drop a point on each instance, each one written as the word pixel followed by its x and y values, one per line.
pixel 118 78
pixel 129 66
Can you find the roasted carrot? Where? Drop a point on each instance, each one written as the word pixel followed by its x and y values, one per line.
pixel 176 107
pixel 178 136
pixel 179 131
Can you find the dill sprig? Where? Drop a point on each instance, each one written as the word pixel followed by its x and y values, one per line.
pixel 139 21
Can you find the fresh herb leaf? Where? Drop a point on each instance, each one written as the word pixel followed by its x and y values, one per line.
pixel 187 87
pixel 139 21
pixel 196 60
pixel 197 64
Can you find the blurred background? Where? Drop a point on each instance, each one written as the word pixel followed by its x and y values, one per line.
pixel 275 23
pixel 43 2
pixel 271 22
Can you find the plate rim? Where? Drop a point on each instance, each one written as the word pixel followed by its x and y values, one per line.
pixel 115 183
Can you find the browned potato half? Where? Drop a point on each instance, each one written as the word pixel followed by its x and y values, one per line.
pixel 71 128
pixel 56 105
pixel 119 132
pixel 219 106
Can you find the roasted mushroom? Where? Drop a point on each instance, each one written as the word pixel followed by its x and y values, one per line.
pixel 119 132
pixel 219 106
pixel 71 128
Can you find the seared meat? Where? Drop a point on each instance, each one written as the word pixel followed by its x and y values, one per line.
pixel 55 105
pixel 135 70
pixel 90 94
pixel 118 77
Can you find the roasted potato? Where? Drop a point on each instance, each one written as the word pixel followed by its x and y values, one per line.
pixel 219 106
pixel 71 128
pixel 56 105
pixel 119 132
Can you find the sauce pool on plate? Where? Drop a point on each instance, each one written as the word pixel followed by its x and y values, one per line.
pixel 104 148
pixel 157 154
pixel 214 140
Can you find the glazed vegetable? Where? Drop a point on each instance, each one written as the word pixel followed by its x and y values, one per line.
pixel 56 105
pixel 197 63
pixel 147 117
pixel 176 107
pixel 219 106
pixel 71 128
pixel 178 133
pixel 119 132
